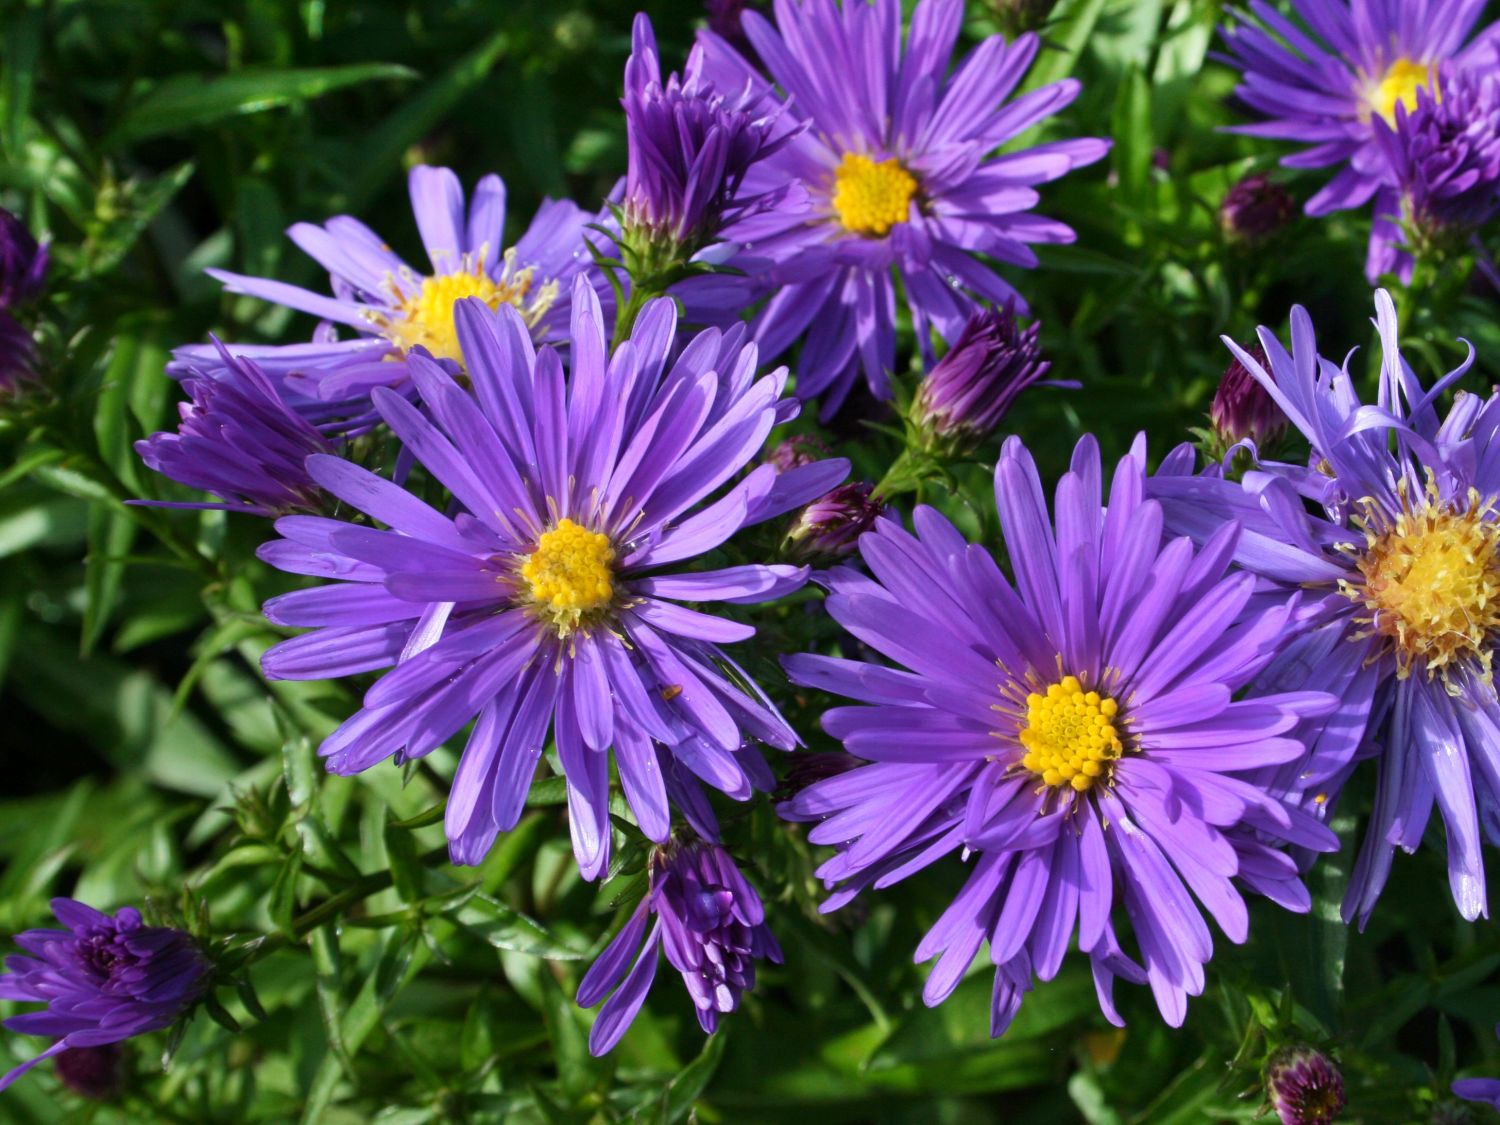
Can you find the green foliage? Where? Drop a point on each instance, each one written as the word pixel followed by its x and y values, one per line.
pixel 368 979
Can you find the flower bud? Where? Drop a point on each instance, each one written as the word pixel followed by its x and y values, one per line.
pixel 96 1073
pixel 23 263
pixel 1243 409
pixel 1255 209
pixel 830 526
pixel 17 357
pixel 1304 1086
pixel 968 391
pixel 796 451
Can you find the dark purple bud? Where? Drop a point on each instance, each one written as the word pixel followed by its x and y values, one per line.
pixel 23 263
pixel 797 451
pixel 724 20
pixel 1243 408
pixel 968 391
pixel 830 527
pixel 1304 1087
pixel 96 1073
pixel 1255 209
pixel 1445 152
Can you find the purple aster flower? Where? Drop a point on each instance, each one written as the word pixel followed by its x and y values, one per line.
pixel 542 601
pixel 1398 560
pixel 690 147
pixel 17 356
pixel 241 442
pixel 1445 152
pixel 96 1073
pixel 829 527
pixel 966 393
pixel 1254 209
pixel 103 979
pixel 712 927
pixel 1325 81
pixel 1486 1090
pixel 1304 1087
pixel 23 263
pixel 394 308
pixel 1072 737
pixel 897 157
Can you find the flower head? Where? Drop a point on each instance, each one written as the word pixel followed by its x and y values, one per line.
pixel 548 596
pixel 967 392
pixel 897 156
pixel 240 441
pixel 829 527
pixel 1398 562
pixel 1328 80
pixel 1254 209
pixel 394 308
pixel 1304 1087
pixel 690 148
pixel 1242 410
pixel 103 979
pixel 1445 151
pixel 23 263
pixel 1072 737
pixel 710 923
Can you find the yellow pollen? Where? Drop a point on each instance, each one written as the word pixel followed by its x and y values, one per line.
pixel 1399 87
pixel 872 196
pixel 425 318
pixel 570 573
pixel 1432 583
pixel 1070 735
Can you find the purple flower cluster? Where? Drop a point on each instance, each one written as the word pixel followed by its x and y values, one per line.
pixel 710 923
pixel 103 979
pixel 1340 74
pixel 898 162
pixel 1073 736
pixel 542 601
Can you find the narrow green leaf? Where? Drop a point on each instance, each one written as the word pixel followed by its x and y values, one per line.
pixel 685 1089
pixel 187 100
pixel 504 928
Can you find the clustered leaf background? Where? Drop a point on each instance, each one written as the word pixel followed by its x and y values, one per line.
pixel 147 760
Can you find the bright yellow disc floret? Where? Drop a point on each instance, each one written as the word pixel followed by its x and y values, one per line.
pixel 1432 584
pixel 1070 735
pixel 872 196
pixel 570 573
pixel 425 318
pixel 1399 87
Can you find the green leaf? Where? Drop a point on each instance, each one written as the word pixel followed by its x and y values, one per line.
pixel 491 920
pixel 324 943
pixel 685 1089
pixel 111 535
pixel 283 901
pixel 126 220
pixel 20 48
pixel 187 100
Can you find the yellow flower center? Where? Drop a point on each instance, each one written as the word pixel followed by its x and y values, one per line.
pixel 1399 87
pixel 872 196
pixel 570 574
pixel 1432 584
pixel 425 318
pixel 1070 735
